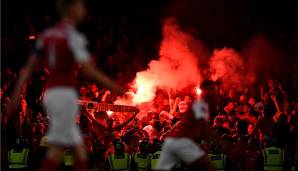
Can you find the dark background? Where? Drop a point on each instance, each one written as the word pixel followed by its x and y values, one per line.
pixel 131 29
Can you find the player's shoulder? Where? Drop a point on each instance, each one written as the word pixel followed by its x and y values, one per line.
pixel 74 35
pixel 54 30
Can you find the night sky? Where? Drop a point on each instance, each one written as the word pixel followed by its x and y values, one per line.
pixel 217 23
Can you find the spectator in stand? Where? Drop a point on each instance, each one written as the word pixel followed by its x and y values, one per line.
pixel 243 99
pixel 230 109
pixel 265 125
pixel 241 132
pixel 83 93
pixel 244 113
pixel 277 119
pixel 218 126
pixel 283 131
pixel 133 144
pixel 252 138
pixel 147 119
pixel 24 120
pixel 232 96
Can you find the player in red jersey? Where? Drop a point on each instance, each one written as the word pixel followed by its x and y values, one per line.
pixel 62 47
pixel 180 145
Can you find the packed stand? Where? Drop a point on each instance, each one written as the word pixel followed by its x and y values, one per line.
pixel 263 121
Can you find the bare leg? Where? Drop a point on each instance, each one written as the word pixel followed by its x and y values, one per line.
pixel 55 153
pixel 81 158
pixel 53 158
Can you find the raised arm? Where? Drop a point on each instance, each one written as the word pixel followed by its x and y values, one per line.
pixel 273 97
pixel 78 45
pixel 275 117
pixel 91 117
pixel 173 110
pixel 23 78
pixel 121 126
pixel 284 94
pixel 257 126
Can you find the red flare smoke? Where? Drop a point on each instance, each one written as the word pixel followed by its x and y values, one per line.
pixel 228 66
pixel 177 67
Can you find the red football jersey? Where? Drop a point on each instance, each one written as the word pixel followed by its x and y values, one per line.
pixel 62 46
pixel 189 127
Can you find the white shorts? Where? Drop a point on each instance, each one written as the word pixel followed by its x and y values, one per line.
pixel 60 103
pixel 175 150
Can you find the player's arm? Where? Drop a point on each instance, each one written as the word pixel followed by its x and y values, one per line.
pixel 24 76
pixel 92 72
pixel 78 46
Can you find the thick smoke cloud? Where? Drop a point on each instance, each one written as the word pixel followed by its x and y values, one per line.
pixel 229 67
pixel 176 69
pixel 183 62
pixel 262 56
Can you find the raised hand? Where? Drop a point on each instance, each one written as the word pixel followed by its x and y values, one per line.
pixel 273 97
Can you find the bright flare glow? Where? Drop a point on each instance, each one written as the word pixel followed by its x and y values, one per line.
pixel 110 112
pixel 32 37
pixel 145 89
pixel 198 91
pixel 178 58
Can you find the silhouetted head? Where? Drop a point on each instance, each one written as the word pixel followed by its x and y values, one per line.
pixel 73 10
pixel 208 88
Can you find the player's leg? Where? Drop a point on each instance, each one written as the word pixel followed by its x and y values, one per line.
pixel 74 139
pixel 192 154
pixel 167 159
pixel 79 151
pixel 53 158
pixel 81 158
pixel 61 105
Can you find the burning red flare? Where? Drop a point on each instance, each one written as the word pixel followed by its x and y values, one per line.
pixel 198 91
pixel 109 112
pixel 175 70
pixel 32 37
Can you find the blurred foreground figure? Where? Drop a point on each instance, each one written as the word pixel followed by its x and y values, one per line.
pixel 61 48
pixel 180 145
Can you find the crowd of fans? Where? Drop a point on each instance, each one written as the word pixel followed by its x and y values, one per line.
pixel 258 117
pixel 255 118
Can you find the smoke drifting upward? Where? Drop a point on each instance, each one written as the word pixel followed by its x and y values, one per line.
pixel 228 66
pixel 178 64
pixel 263 56
pixel 182 64
pixel 176 68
